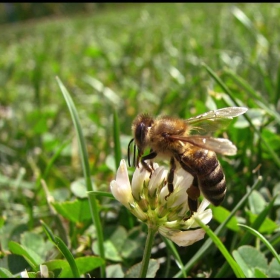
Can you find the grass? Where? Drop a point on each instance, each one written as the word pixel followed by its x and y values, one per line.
pixel 173 59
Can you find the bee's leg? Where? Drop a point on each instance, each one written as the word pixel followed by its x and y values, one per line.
pixel 151 162
pixel 145 165
pixel 170 177
pixel 193 195
pixel 193 191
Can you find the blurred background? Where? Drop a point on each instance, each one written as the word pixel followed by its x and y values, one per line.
pixel 15 12
pixel 128 59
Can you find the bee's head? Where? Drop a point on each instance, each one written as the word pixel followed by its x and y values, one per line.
pixel 140 128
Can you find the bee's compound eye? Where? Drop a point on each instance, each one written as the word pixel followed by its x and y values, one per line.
pixel 140 132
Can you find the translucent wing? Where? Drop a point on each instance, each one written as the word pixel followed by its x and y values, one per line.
pixel 212 120
pixel 219 145
pixel 224 113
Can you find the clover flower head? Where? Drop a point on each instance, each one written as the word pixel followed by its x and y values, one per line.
pixel 148 198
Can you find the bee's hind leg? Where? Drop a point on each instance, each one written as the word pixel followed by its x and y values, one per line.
pixel 193 195
pixel 193 191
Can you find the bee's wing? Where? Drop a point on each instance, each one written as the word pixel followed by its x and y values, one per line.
pixel 219 145
pixel 213 120
pixel 224 113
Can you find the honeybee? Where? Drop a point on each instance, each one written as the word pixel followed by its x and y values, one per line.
pixel 188 143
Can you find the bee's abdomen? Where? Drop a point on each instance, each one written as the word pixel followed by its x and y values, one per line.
pixel 213 185
pixel 205 166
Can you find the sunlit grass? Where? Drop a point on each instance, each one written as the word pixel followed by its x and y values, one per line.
pixel 173 59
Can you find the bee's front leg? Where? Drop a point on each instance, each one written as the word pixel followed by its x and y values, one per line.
pixel 148 167
pixel 170 177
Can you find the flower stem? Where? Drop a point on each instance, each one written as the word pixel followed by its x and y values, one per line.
pixel 147 252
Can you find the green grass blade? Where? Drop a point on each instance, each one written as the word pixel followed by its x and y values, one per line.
pixel 257 223
pixel 100 193
pixel 255 95
pixel 170 245
pixel 228 92
pixel 48 231
pixel 68 256
pixel 76 122
pixel 246 22
pixel 63 249
pixel 117 142
pixel 247 237
pixel 221 84
pixel 201 252
pixel 277 90
pixel 86 170
pixel 264 240
pixel 235 267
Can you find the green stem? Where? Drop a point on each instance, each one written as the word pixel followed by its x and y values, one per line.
pixel 147 252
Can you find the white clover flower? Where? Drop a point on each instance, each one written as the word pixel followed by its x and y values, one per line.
pixel 24 274
pixel 146 198
pixel 43 273
pixel 121 190
pixel 120 187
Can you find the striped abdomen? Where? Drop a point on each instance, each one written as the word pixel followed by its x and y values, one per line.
pixel 204 165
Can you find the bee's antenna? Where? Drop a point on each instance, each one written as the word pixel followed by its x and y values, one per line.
pixel 128 152
pixel 134 156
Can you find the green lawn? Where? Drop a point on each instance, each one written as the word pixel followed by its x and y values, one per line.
pixel 163 59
